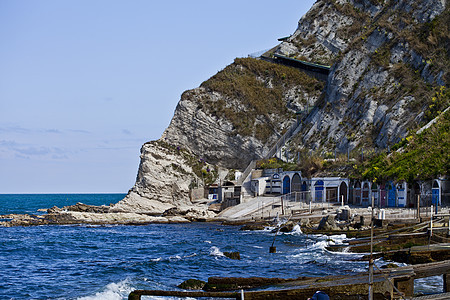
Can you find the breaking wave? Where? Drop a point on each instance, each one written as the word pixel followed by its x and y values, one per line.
pixel 215 251
pixel 113 291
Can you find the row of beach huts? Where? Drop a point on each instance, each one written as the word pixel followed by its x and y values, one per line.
pixel 276 182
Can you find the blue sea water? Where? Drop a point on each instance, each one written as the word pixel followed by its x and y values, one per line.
pixel 30 203
pixel 108 262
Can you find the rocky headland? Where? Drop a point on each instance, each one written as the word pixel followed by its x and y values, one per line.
pixel 388 75
pixel 388 61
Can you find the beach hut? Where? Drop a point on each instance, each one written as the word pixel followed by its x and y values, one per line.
pixel 213 192
pixel 275 184
pixel 230 194
pixel 258 185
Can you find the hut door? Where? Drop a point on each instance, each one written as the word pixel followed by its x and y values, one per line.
pixel 401 195
pixel 343 192
pixel 319 191
pixel 435 194
pixel 286 185
pixel 382 196
pixel 391 195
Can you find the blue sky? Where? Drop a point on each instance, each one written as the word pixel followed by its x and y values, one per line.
pixel 84 83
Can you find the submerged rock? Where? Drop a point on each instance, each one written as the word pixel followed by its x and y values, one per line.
pixel 232 255
pixel 192 284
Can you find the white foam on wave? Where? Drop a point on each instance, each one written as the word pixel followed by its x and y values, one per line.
pixel 176 257
pixel 215 251
pixel 156 259
pixel 318 245
pixel 113 291
pixel 296 230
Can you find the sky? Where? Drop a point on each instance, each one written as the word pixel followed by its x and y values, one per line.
pixel 84 83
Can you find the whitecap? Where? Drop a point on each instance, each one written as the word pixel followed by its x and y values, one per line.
pixel 296 230
pixel 113 291
pixel 208 242
pixel 156 259
pixel 190 255
pixel 345 251
pixel 215 251
pixel 318 245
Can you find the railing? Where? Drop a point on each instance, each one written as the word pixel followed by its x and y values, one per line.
pixel 137 294
pixel 247 171
pixel 302 197
pixel 282 140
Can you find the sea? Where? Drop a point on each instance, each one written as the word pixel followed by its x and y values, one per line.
pixel 108 262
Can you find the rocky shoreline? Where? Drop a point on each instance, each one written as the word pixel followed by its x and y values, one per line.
pixel 106 215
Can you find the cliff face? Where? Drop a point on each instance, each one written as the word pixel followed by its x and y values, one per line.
pixel 238 114
pixel 389 60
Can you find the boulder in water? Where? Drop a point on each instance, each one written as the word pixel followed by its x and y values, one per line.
pixel 288 226
pixel 192 284
pixel 232 255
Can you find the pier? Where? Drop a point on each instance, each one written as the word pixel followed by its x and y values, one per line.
pixel 392 283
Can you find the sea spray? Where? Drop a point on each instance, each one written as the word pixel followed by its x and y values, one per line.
pixel 113 291
pixel 215 251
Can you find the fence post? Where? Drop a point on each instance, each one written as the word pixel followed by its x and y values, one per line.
pixel 418 207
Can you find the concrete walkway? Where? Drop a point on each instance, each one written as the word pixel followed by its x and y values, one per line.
pixel 270 207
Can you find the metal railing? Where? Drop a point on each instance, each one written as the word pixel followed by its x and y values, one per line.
pixel 282 140
pixel 246 172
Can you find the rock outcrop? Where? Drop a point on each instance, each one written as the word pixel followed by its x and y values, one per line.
pixel 387 64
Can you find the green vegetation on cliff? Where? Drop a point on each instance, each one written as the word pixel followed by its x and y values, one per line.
pixel 254 92
pixel 420 156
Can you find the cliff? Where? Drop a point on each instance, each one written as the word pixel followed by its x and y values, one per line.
pixel 389 60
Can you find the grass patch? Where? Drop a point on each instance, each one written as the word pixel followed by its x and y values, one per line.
pixel 254 89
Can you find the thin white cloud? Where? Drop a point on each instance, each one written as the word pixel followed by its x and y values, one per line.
pixel 21 130
pixel 127 132
pixel 18 150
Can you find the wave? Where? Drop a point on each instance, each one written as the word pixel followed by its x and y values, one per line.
pixel 296 230
pixel 215 251
pixel 113 291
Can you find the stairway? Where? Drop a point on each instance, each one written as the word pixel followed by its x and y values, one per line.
pixel 245 179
